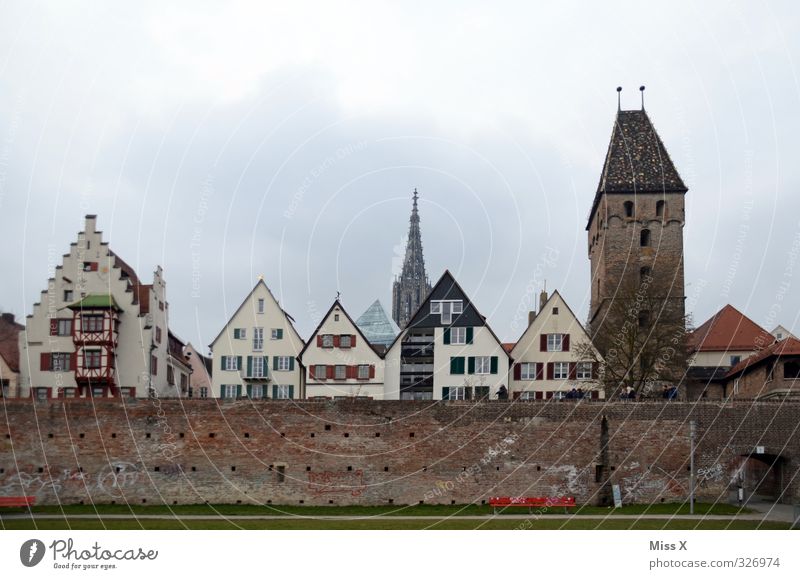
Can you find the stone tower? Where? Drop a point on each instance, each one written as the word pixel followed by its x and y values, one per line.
pixel 635 227
pixel 412 286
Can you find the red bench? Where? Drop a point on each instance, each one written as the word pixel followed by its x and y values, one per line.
pixel 17 501
pixel 531 502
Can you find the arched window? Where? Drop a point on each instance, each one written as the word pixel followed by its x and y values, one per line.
pixel 644 238
pixel 628 208
pixel 660 206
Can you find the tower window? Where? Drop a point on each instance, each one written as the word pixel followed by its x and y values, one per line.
pixel 644 238
pixel 660 205
pixel 644 274
pixel 628 209
pixel 644 318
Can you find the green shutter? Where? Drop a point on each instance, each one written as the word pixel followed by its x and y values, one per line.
pixel 445 393
pixel 469 335
pixel 275 362
pixel 447 335
pixel 468 393
pixel 238 390
pixel 235 333
pixel 249 390
pixel 456 364
pixel 238 362
pixel 274 391
pixel 280 333
pixel 222 362
pixel 222 391
pixel 291 363
pixel 249 368
pixel 471 365
pixel 493 364
pixel 266 370
pixel 291 391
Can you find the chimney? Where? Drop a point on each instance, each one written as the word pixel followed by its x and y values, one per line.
pixel 8 317
pixel 542 300
pixel 531 316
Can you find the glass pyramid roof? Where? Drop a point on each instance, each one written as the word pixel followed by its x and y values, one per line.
pixel 376 326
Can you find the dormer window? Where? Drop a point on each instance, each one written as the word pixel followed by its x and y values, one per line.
pixel 446 308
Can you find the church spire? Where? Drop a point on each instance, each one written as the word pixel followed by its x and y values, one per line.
pixel 412 286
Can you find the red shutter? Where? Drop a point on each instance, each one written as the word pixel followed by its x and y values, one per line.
pixel 549 395
pixel 595 395
pixel 516 395
pixel 594 370
pixel 336 341
pixel 539 371
pixel 351 372
pixel 543 343
pixel 44 361
pixel 573 371
pixel 371 371
pixel 311 372
pixel 329 372
pixel 73 361
pixel 538 395
pixel 94 268
pixel 53 327
pixel 353 341
pixel 517 371
pixel 565 343
pixel 550 370
pixel 319 341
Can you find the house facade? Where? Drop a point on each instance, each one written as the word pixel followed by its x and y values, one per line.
pixel 256 353
pixel 554 357
pixel 774 372
pixel 201 370
pixel 339 360
pixel 447 351
pixel 9 355
pixel 97 330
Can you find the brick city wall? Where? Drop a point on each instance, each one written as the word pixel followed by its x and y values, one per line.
pixel 372 452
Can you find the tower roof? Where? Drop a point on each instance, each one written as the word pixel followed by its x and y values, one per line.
pixel 729 330
pixel 636 160
pixel 376 325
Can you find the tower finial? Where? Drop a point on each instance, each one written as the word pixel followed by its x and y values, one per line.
pixel 619 100
pixel 641 90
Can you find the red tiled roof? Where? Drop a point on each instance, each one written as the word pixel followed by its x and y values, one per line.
pixel 9 341
pixel 508 346
pixel 729 330
pixel 786 347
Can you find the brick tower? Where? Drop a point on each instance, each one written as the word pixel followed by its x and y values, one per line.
pixel 635 229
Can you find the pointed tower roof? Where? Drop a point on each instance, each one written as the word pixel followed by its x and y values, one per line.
pixel 412 285
pixel 637 160
pixel 414 262
pixel 376 325
pixel 729 330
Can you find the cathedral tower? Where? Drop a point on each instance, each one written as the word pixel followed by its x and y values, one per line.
pixel 412 286
pixel 635 230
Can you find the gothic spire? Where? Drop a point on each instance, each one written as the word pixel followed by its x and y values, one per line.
pixel 412 286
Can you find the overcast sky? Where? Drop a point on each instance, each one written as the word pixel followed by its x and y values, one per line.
pixel 224 142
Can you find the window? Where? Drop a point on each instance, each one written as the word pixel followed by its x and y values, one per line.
pixel 92 323
pixel 791 370
pixel 583 371
pixel 327 341
pixel 528 395
pixel 555 342
pixel 527 371
pixel 735 360
pixel 481 392
pixel 203 391
pixel 68 392
pixel 482 364
pixel 644 318
pixel 560 370
pixel 277 334
pixel 89 266
pixel 184 381
pixel 229 390
pixel 91 359
pixel 335 317
pixel 256 391
pixel 284 363
pixel 97 392
pixel 660 205
pixel 644 274
pixel 446 309
pixel 59 362
pixel 283 392
pixel 341 372
pixel 457 393
pixel 260 305
pixel 158 335
pixel 779 335
pixel 344 341
pixel 170 375
pixel 239 334
pixel 41 393
pixel 555 311
pixel 230 363
pixel 257 368
pixel 258 339
pixel 320 371
pixel 628 208
pixel 281 473
pixel 62 327
pixel 644 238
pixel 68 295
pixel 458 336
pixel 363 372
pixel 153 365
pixel 4 391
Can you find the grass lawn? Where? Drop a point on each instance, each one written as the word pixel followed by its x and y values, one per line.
pixel 401 524
pixel 365 511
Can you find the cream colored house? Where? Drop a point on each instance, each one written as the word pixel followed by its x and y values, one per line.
pixel 97 330
pixel 256 353
pixel 446 352
pixel 551 358
pixel 340 362
pixel 201 370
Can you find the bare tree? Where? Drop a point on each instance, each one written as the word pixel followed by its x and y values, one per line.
pixel 640 336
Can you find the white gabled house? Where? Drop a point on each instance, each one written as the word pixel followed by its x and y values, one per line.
pixel 256 353
pixel 339 360
pixel 551 357
pixel 447 351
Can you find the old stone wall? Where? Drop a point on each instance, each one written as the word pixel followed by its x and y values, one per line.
pixel 383 452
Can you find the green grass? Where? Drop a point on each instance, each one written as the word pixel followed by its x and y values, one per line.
pixel 404 524
pixel 368 511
